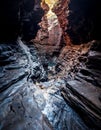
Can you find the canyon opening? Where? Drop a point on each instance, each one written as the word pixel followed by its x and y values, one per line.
pixel 50 65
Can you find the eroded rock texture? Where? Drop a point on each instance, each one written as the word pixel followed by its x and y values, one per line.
pixel 49 36
pixel 84 91
pixel 18 108
pixel 62 12
pixel 45 85
pixel 80 20
pixel 28 100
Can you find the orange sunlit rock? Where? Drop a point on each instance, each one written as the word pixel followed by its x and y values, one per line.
pixel 61 10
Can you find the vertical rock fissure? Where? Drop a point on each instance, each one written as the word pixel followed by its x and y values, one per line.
pixel 50 35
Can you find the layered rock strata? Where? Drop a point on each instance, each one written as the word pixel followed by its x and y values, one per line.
pixel 28 100
pixel 83 92
pixel 62 12
pixel 49 36
pixel 38 81
pixel 79 20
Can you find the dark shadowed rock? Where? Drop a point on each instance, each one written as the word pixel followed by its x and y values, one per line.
pixel 19 18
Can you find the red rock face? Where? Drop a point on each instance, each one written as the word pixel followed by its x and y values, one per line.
pixel 61 10
pixel 80 20
pixel 43 32
pixel 55 31
pixel 49 36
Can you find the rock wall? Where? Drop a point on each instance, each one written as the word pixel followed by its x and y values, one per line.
pixel 80 19
pixel 84 20
pixel 35 89
pixel 31 14
pixel 49 36
pixel 29 98
pixel 61 10
pixel 18 107
pixel 19 18
pixel 9 22
pixel 83 92
pixel 42 34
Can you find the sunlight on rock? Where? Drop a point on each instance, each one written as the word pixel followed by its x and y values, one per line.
pixel 50 3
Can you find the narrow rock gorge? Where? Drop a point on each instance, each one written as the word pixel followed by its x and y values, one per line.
pixel 50 65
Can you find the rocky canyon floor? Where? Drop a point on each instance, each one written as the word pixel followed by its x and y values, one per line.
pixel 35 91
